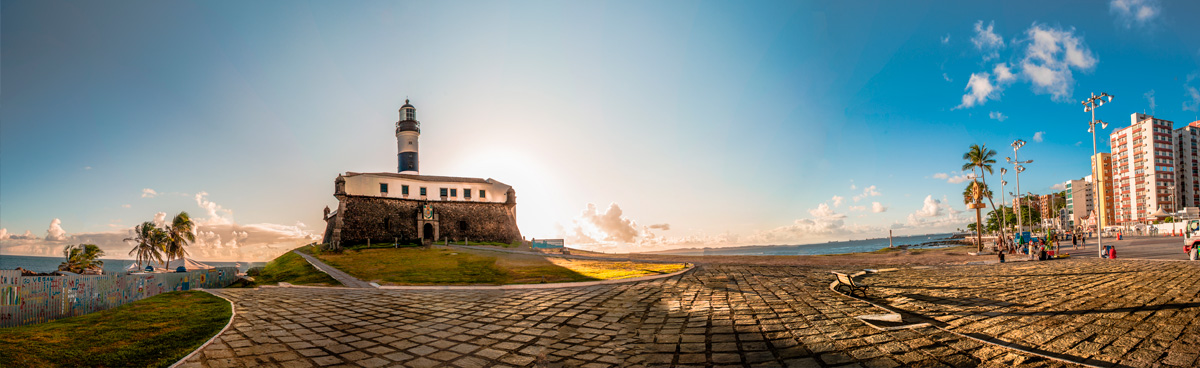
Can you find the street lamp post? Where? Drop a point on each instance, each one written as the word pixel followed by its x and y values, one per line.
pixel 1090 105
pixel 1001 214
pixel 1017 166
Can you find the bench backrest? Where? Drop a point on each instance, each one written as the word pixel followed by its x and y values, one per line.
pixel 845 279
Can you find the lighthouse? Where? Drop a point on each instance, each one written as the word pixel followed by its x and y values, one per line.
pixel 408 129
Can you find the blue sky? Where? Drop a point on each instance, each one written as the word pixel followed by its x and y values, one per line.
pixel 630 125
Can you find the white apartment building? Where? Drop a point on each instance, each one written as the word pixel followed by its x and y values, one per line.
pixel 1079 202
pixel 1143 167
pixel 1187 174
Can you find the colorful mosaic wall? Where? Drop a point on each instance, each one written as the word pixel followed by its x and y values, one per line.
pixel 27 300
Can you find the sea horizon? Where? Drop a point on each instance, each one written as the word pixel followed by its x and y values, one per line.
pixel 828 247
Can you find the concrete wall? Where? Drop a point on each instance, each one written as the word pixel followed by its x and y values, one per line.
pixel 386 219
pixel 27 300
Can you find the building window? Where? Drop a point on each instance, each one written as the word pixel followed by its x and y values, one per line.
pixel 443 192
pixel 383 188
pixel 422 191
pixel 453 192
pixel 462 225
pixel 467 193
pixel 482 193
pixel 404 189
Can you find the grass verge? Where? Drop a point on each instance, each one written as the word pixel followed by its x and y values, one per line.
pixel 153 332
pixel 293 269
pixel 468 267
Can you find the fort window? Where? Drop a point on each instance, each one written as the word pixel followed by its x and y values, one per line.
pixel 422 191
pixel 454 192
pixel 443 190
pixel 462 225
pixel 482 193
pixel 467 193
pixel 404 189
pixel 383 188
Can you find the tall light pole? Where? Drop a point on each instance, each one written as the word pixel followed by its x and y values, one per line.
pixel 1017 166
pixel 1090 105
pixel 1001 214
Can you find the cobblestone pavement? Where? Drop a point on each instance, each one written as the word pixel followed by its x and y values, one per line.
pixel 1131 313
pixel 734 316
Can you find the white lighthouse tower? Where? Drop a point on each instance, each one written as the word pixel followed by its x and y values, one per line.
pixel 408 129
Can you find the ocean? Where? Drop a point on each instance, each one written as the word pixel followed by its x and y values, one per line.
pixel 111 266
pixel 850 246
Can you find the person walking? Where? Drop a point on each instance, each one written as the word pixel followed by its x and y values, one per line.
pixel 1074 242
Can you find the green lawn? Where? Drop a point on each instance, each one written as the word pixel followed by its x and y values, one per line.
pixel 460 267
pixel 293 269
pixel 153 332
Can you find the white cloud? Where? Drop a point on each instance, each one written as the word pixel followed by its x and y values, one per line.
pixel 837 200
pixel 87 167
pixel 824 212
pixel 979 89
pixel 661 226
pixel 56 232
pixel 1050 57
pixel 149 193
pixel 1193 94
pixel 1132 13
pixel 947 77
pixel 867 192
pixel 3 234
pixel 877 207
pixel 998 116
pixel 1150 100
pixel 1059 186
pixel 946 39
pixel 857 208
pixel 1077 144
pixel 934 214
pixel 987 41
pixel 1039 136
pixel 1003 73
pixel 216 213
pixel 593 226
pixel 126 206
pixel 954 179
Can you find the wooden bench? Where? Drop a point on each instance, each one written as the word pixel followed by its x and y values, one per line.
pixel 846 284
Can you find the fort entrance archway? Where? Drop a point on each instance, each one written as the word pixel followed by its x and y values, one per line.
pixel 427 232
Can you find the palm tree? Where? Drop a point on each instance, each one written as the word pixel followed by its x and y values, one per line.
pixel 81 258
pixel 979 160
pixel 149 240
pixel 180 232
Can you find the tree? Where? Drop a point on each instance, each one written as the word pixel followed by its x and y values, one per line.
pixel 179 233
pixel 980 160
pixel 82 258
pixel 150 240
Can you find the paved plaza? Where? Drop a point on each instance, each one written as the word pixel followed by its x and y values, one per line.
pixel 715 315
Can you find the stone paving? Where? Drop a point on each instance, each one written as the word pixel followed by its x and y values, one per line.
pixel 720 316
pixel 1102 312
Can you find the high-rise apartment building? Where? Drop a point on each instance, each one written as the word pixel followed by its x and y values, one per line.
pixel 1079 202
pixel 1187 170
pixel 1102 181
pixel 1143 168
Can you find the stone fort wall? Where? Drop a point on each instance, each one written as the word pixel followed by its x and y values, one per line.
pixel 386 219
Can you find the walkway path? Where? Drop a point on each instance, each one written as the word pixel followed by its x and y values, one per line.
pixel 725 315
pixel 342 277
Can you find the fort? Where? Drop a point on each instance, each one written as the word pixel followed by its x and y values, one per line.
pixel 408 207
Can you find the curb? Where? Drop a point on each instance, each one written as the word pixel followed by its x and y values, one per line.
pixel 232 314
pixel 689 267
